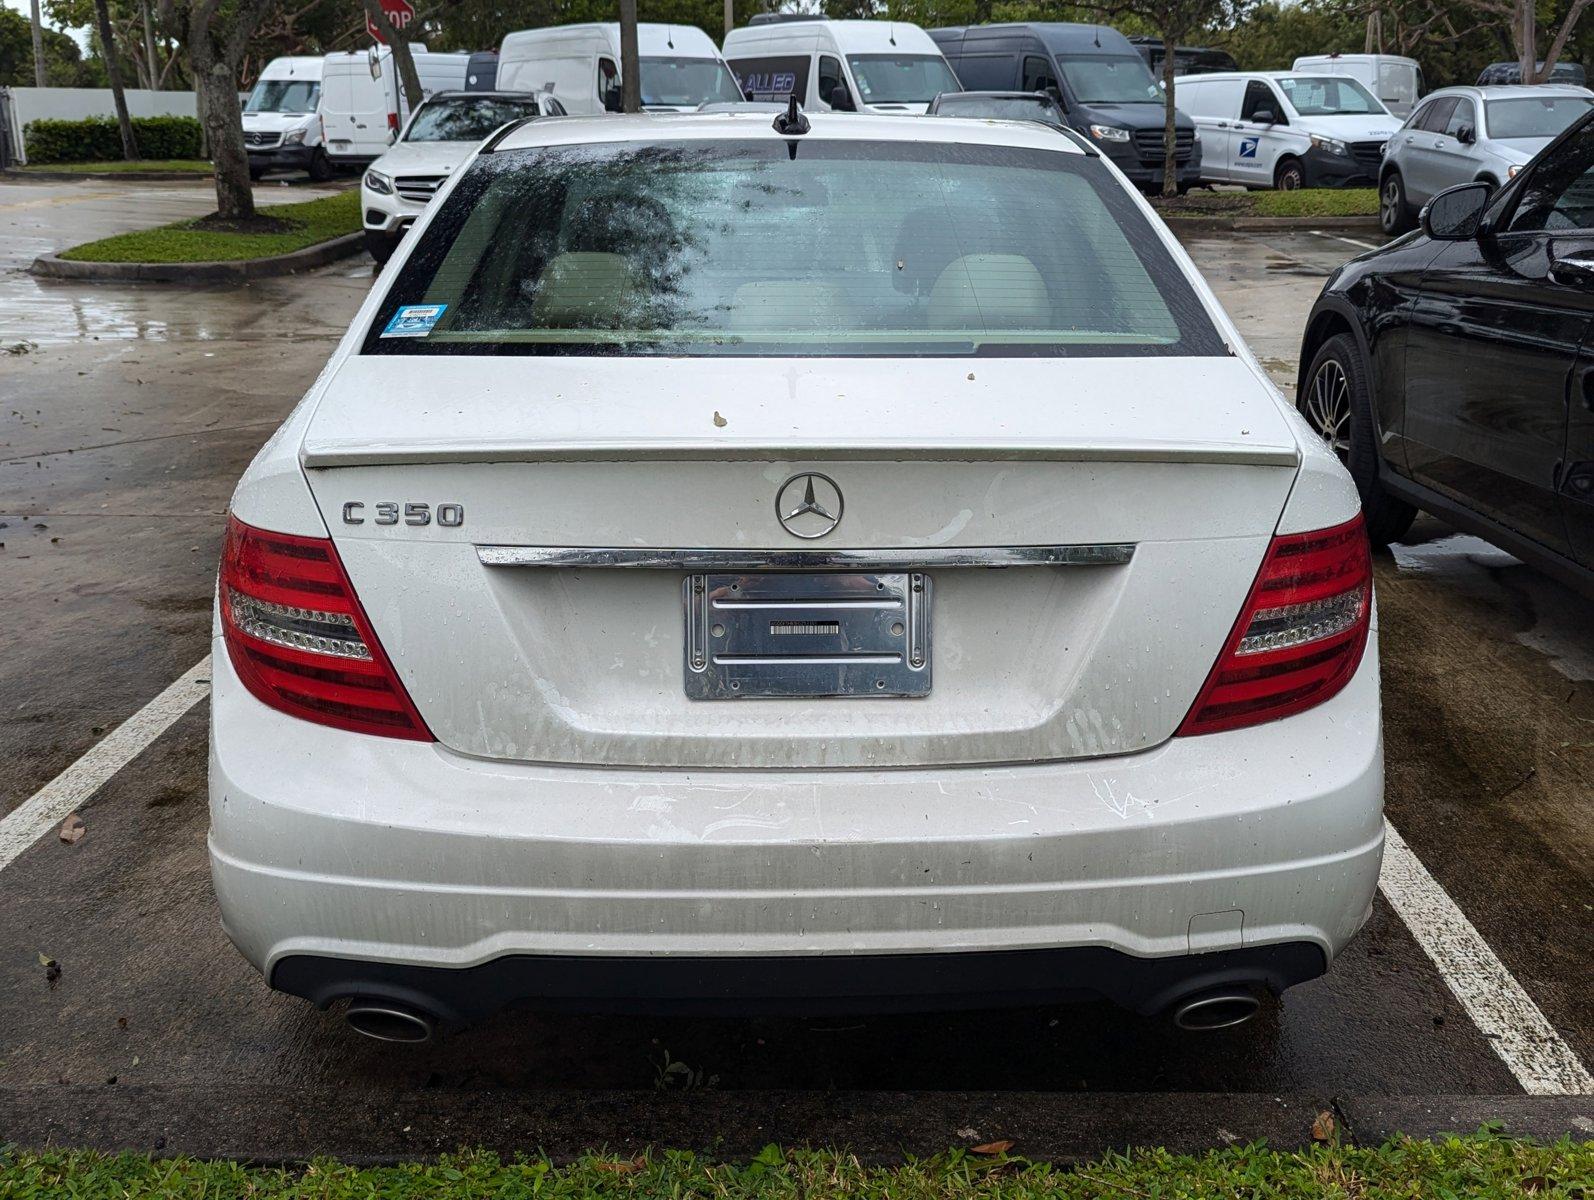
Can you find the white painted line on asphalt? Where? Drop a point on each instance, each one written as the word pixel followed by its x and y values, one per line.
pixel 1542 1062
pixel 67 792
pixel 1348 241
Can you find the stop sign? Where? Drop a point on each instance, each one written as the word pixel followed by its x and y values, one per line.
pixel 399 12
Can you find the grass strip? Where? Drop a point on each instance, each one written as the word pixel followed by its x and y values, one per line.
pixel 198 166
pixel 1307 202
pixel 1481 1166
pixel 311 221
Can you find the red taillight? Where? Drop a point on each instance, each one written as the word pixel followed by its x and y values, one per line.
pixel 300 641
pixel 1301 633
pixel 392 122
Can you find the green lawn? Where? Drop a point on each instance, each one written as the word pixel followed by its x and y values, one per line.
pixel 198 166
pixel 1308 202
pixel 1482 1166
pixel 1318 202
pixel 313 221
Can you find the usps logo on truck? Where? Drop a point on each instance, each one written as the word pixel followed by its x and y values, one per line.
pixel 1248 147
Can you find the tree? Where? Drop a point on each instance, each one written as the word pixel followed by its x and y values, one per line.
pixel 63 61
pixel 630 60
pixel 1175 21
pixel 113 71
pixel 216 33
pixel 1522 18
pixel 398 42
pixel 38 46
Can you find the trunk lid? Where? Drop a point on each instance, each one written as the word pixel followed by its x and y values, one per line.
pixel 1187 461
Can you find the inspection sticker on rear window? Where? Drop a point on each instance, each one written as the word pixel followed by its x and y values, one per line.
pixel 414 320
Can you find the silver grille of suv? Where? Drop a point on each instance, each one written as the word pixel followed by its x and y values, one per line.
pixel 261 140
pixel 419 188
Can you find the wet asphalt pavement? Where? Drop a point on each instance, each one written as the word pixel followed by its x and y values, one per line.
pixel 126 414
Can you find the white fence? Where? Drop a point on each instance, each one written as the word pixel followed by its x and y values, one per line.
pixel 73 104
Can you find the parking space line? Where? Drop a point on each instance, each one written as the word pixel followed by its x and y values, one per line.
pixel 67 792
pixel 1348 241
pixel 1542 1062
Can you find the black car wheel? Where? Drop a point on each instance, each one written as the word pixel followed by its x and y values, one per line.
pixel 320 165
pixel 1338 403
pixel 1394 214
pixel 1290 176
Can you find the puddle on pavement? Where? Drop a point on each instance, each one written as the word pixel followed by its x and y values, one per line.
pixel 1559 626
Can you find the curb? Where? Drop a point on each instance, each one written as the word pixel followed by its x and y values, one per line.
pixel 51 266
pixel 1195 223
pixel 108 176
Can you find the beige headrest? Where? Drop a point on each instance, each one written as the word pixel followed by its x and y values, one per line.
pixel 990 291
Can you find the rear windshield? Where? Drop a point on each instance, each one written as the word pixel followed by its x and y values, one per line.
pixel 1533 116
pixel 772 248
pixel 1004 108
pixel 466 119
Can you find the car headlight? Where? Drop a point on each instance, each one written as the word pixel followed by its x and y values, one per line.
pixel 1109 133
pixel 379 183
pixel 1330 145
pixel 294 138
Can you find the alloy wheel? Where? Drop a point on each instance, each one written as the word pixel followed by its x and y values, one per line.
pixel 1389 205
pixel 1328 407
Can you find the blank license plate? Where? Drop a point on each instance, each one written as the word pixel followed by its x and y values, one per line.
pixel 788 634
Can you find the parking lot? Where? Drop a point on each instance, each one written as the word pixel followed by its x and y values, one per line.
pixel 126 1018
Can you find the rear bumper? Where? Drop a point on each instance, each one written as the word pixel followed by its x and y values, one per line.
pixel 359 851
pixel 798 985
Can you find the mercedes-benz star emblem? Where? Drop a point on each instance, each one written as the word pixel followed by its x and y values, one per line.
pixel 809 505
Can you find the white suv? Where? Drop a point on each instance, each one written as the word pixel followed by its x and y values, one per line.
pixel 849 562
pixel 442 134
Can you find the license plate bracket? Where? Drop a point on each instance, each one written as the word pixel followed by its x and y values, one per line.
pixel 788 634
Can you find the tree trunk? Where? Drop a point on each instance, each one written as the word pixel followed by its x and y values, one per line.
pixel 38 47
pixel 630 60
pixel 224 131
pixel 1170 159
pixel 1527 18
pixel 398 42
pixel 730 15
pixel 113 71
pixel 154 70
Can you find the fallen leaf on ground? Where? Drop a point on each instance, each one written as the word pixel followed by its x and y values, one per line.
pixel 72 830
pixel 1000 1147
pixel 623 1167
pixel 1324 1129
pixel 52 969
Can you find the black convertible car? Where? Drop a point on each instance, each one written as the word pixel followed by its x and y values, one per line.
pixel 1453 369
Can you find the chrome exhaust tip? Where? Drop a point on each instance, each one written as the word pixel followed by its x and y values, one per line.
pixel 389 1022
pixel 1220 1009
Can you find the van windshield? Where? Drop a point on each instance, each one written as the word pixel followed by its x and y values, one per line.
pixel 711 248
pixel 1534 116
pixel 1109 78
pixel 901 78
pixel 686 82
pixel 1330 96
pixel 284 96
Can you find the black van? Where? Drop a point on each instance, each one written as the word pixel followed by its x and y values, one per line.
pixel 1101 82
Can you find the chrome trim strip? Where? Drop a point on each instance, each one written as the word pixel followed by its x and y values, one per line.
pixel 891 558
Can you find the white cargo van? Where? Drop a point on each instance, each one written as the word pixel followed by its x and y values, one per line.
pixel 363 105
pixel 1394 79
pixel 850 66
pixel 580 65
pixel 282 119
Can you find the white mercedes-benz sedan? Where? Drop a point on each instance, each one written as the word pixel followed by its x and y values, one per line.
pixel 849 563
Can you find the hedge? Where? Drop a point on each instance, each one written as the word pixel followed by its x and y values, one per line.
pixel 97 139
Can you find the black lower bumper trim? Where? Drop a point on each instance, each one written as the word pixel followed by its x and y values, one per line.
pixel 800 984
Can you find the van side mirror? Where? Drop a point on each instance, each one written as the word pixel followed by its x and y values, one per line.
pixel 1456 214
pixel 1265 116
pixel 613 99
pixel 840 99
pixel 1056 93
pixel 1466 135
